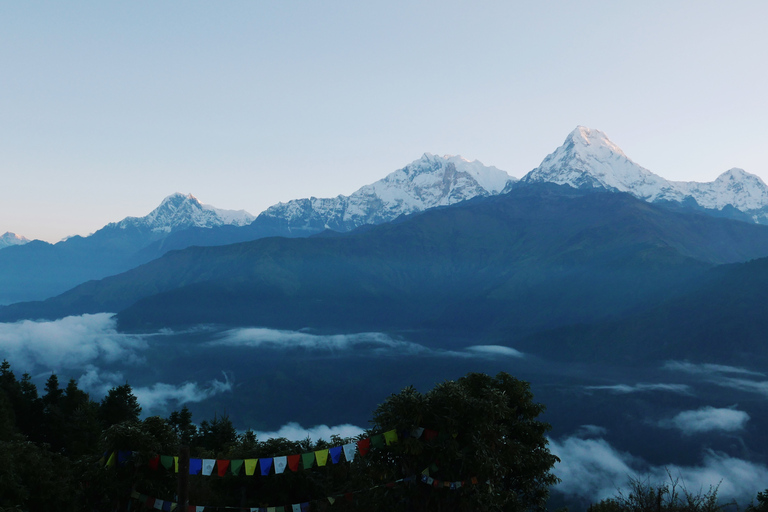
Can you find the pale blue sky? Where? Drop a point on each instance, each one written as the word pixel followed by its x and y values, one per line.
pixel 107 107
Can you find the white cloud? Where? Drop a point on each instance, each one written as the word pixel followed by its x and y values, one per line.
pixel 495 350
pixel 157 396
pixel 272 338
pixel 760 387
pixel 707 419
pixel 726 376
pixel 276 339
pixel 70 342
pixel 707 369
pixel 622 389
pixel 295 432
pixel 592 469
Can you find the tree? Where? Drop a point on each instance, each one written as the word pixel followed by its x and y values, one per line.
pixel 118 406
pixel 762 503
pixel 483 428
pixel 645 496
pixel 181 422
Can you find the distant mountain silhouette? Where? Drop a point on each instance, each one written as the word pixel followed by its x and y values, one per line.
pixel 504 267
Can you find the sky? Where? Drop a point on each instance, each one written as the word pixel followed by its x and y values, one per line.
pixel 108 107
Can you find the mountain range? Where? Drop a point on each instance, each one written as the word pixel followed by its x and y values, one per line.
pixel 587 247
pixel 39 270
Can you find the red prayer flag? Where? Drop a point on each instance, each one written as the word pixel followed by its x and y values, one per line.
pixel 350 497
pixel 429 434
pixel 154 462
pixel 223 466
pixel 150 503
pixel 293 462
pixel 363 446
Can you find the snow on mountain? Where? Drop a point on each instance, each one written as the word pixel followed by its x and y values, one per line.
pixel 588 159
pixel 734 187
pixel 8 239
pixel 179 211
pixel 424 183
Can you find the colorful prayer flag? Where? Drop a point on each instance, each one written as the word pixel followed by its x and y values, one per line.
pixel 322 457
pixel 222 465
pixel 335 453
pixel 308 459
pixel 349 451
pixel 363 446
pixel 390 437
pixel 377 441
pixel 266 465
pixel 280 464
pixel 250 466
pixel 293 462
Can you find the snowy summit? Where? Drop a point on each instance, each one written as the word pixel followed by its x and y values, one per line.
pixel 9 239
pixel 588 159
pixel 179 211
pixel 424 183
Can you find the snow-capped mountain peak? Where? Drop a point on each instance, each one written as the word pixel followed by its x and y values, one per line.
pixel 8 239
pixel 588 159
pixel 583 137
pixel 425 183
pixel 179 211
pixel 735 187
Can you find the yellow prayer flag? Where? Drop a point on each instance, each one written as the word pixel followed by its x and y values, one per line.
pixel 111 460
pixel 331 500
pixel 390 437
pixel 176 464
pixel 322 457
pixel 250 466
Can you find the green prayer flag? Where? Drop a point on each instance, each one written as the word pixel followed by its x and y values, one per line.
pixel 308 459
pixel 377 441
pixel 166 461
pixel 235 466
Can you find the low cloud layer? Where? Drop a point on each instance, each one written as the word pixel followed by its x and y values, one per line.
pixel 708 369
pixel 273 338
pixel 624 389
pixel 592 469
pixel 259 337
pixel 707 419
pixel 295 432
pixel 494 351
pixel 158 397
pixel 732 377
pixel 72 342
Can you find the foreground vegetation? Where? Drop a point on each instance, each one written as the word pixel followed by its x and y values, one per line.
pixel 466 445
pixel 470 444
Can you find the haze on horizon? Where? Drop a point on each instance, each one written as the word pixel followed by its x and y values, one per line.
pixel 109 108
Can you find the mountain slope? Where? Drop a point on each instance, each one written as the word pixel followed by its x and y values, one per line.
pixel 722 317
pixel 588 159
pixel 38 269
pixel 9 239
pixel 505 266
pixel 425 183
